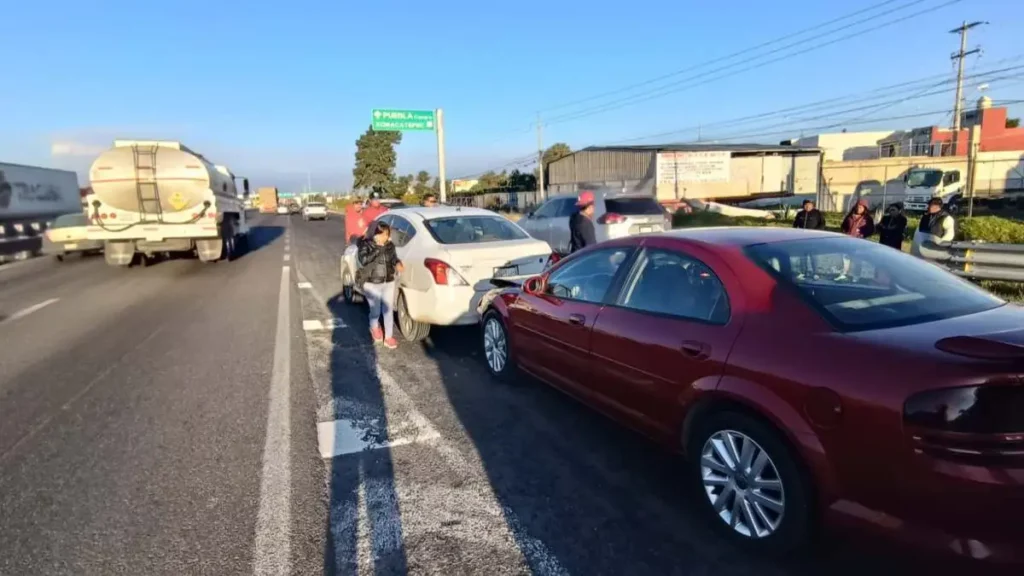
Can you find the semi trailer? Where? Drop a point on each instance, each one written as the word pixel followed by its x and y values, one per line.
pixel 153 197
pixel 30 199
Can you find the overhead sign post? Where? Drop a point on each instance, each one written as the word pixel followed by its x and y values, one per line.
pixel 386 119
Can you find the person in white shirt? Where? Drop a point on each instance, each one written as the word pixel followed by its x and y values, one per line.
pixel 936 226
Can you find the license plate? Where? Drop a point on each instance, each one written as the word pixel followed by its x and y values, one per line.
pixel 70 246
pixel 646 229
pixel 506 272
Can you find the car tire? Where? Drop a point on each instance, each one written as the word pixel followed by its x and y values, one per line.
pixel 494 340
pixel 348 290
pixel 784 498
pixel 412 330
pixel 59 257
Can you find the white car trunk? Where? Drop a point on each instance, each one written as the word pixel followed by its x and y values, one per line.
pixel 480 262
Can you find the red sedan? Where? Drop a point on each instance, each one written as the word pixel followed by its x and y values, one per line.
pixel 806 376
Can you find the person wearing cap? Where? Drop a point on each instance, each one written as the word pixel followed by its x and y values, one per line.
pixel 810 217
pixel 936 226
pixel 581 223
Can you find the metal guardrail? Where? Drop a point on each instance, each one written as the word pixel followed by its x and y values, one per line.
pixel 979 260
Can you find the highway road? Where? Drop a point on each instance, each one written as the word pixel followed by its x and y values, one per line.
pixel 234 418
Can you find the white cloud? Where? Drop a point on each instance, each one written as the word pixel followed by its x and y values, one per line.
pixel 68 148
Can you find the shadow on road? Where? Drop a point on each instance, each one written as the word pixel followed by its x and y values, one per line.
pixel 605 500
pixel 362 481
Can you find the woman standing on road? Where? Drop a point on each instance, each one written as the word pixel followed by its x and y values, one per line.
pixel 379 267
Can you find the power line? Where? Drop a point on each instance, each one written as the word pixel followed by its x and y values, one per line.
pixel 681 85
pixel 831 103
pixel 720 59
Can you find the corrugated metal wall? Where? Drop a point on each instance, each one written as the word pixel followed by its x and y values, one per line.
pixel 602 166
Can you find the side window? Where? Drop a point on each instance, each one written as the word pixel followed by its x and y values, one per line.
pixel 587 278
pixel 386 218
pixel 952 177
pixel 672 283
pixel 548 210
pixel 566 207
pixel 402 231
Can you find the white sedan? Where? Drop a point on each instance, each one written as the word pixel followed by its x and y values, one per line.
pixel 314 211
pixel 450 256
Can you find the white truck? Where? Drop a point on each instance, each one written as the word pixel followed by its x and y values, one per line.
pixel 30 198
pixel 152 197
pixel 923 184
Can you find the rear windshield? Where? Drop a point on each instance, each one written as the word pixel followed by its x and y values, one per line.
pixel 314 205
pixel 858 285
pixel 474 229
pixel 633 206
pixel 69 220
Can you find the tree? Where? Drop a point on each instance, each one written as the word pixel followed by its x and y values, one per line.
pixel 519 181
pixel 1013 122
pixel 554 152
pixel 375 160
pixel 422 185
pixel 400 186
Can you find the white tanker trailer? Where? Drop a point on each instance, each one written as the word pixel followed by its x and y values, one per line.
pixel 152 197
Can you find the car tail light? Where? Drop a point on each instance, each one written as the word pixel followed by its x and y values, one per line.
pixel 611 218
pixel 443 274
pixel 983 425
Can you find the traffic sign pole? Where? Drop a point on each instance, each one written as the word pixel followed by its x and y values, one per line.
pixel 439 128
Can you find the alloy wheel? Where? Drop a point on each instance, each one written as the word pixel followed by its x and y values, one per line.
pixel 495 345
pixel 742 483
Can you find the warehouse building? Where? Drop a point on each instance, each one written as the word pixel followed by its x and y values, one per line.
pixel 676 172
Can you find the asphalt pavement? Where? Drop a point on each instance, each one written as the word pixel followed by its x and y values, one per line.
pixel 234 418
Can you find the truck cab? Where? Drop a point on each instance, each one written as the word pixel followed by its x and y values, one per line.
pixel 923 184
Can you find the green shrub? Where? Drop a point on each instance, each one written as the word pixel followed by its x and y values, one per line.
pixel 992 229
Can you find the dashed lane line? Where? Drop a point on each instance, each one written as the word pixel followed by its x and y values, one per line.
pixel 272 554
pixel 26 311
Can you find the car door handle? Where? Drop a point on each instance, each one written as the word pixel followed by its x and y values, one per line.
pixel 577 319
pixel 695 350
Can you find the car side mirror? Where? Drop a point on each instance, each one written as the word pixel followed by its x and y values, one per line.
pixel 245 186
pixel 534 286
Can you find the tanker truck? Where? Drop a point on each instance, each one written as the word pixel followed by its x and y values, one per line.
pixel 31 198
pixel 153 197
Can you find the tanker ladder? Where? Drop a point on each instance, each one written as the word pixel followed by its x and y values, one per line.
pixel 146 187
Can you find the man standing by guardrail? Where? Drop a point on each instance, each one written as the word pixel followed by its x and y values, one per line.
pixel 936 226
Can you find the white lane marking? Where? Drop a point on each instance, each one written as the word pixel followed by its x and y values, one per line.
pixel 25 312
pixel 305 285
pixel 375 498
pixel 287 257
pixel 273 522
pixel 329 324
pixel 342 437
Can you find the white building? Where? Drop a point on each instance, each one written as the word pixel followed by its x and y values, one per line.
pixel 840 146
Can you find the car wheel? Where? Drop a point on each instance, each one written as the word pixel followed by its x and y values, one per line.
pixel 348 287
pixel 59 257
pixel 497 351
pixel 412 330
pixel 750 483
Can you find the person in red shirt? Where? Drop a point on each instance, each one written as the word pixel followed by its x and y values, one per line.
pixel 358 219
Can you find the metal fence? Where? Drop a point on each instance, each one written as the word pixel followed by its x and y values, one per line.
pixel 978 260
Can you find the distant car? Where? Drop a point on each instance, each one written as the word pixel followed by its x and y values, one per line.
pixel 615 216
pixel 806 375
pixel 294 208
pixel 314 211
pixel 283 209
pixel 450 256
pixel 67 236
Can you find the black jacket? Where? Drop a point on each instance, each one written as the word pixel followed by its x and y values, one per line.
pixel 377 264
pixel 810 219
pixel 581 232
pixel 891 230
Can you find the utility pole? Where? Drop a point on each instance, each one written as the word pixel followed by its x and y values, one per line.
pixel 441 183
pixel 960 56
pixel 540 159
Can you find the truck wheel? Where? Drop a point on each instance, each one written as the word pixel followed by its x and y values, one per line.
pixel 59 257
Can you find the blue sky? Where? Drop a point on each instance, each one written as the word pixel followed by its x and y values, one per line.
pixel 279 89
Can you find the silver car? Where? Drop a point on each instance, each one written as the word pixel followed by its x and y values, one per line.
pixel 615 216
pixel 67 235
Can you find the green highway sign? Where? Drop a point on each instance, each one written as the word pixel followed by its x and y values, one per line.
pixel 397 120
